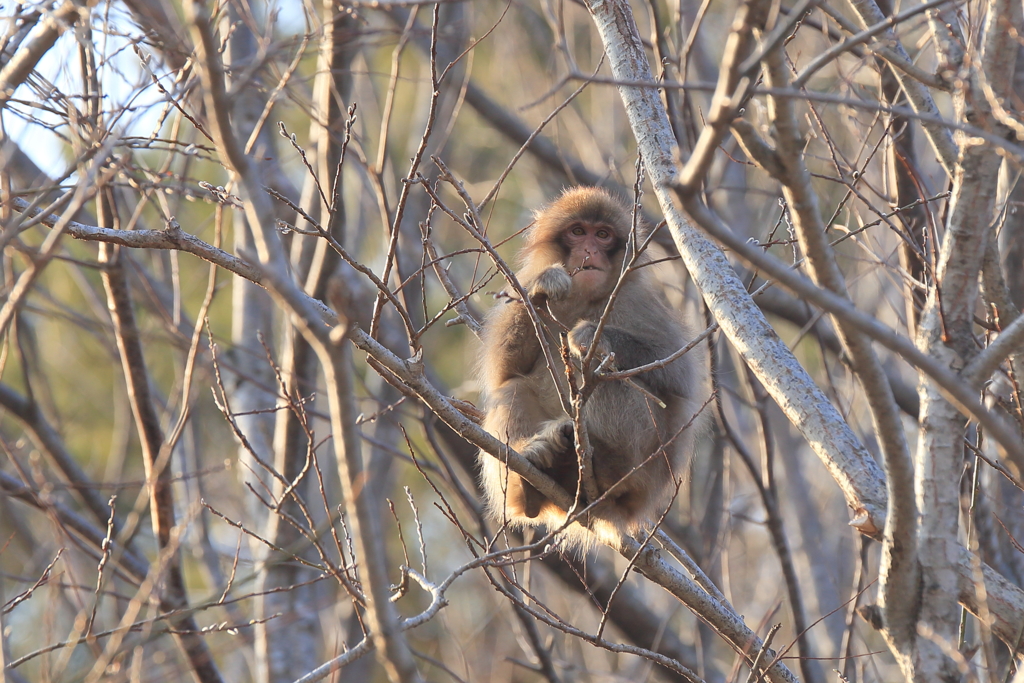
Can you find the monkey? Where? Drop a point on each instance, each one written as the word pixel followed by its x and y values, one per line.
pixel 569 267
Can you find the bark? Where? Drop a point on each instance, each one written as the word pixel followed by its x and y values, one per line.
pixel 286 646
pixel 801 402
pixel 392 647
pixel 36 44
pixel 156 458
pixel 899 574
pixel 946 333
pixel 742 322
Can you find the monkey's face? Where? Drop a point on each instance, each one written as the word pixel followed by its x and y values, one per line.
pixel 590 250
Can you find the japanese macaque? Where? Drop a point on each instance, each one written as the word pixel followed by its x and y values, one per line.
pixel 570 265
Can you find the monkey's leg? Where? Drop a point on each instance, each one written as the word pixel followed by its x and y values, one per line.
pixel 548 450
pixel 549 444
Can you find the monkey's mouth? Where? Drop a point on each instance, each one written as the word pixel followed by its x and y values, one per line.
pixel 589 268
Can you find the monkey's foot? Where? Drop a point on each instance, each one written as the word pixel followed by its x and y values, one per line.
pixel 554 440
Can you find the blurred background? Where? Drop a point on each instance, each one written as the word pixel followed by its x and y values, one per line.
pixel 105 124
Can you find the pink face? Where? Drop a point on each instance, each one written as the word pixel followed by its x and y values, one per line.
pixel 589 246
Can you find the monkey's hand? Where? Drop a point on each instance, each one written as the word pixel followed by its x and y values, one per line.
pixel 581 338
pixel 553 441
pixel 554 284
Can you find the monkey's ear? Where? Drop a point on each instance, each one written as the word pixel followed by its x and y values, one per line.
pixel 350 296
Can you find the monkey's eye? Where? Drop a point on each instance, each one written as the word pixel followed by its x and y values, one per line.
pixel 603 234
pixel 578 230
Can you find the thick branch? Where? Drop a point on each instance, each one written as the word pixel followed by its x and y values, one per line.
pixel 382 616
pixel 788 383
pixel 1009 342
pixel 899 575
pixel 829 436
pixel 719 616
pixel 37 44
pixel 172 238
pixel 951 384
pixel 156 458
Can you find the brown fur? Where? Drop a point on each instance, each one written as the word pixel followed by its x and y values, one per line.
pixel 625 426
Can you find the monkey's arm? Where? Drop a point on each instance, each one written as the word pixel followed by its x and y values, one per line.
pixel 635 348
pixel 511 348
pixel 553 283
pixel 511 345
